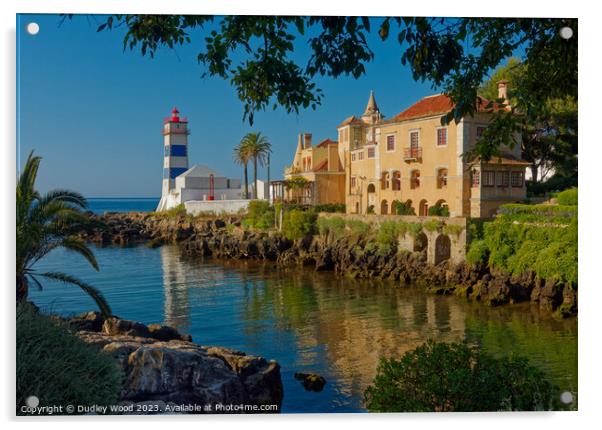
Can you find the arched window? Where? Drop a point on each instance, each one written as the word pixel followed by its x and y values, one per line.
pixel 384 183
pixel 423 208
pixel 384 207
pixel 442 178
pixel 396 185
pixel 415 179
pixel 394 204
pixel 442 248
pixel 371 188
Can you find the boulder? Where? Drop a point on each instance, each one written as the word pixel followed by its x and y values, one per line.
pixel 181 372
pixel 114 326
pixel 311 381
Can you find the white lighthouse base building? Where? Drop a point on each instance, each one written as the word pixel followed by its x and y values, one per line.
pixel 195 185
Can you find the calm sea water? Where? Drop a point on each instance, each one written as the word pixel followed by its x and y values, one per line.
pixel 109 204
pixel 307 321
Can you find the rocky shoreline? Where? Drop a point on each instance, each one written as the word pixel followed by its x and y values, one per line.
pixel 224 238
pixel 164 371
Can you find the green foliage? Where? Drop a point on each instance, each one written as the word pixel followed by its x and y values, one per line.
pixel 403 208
pixel 330 207
pixel 331 226
pixel 387 234
pixel 370 210
pixel 59 368
pixel 260 215
pixel 296 183
pixel 359 229
pixel 568 197
pixel 433 225
pixel 543 214
pixel 549 251
pixel 175 212
pixel 442 377
pixel 554 184
pixel 297 224
pixel 477 252
pixel 453 229
pixel 48 222
pixel 439 210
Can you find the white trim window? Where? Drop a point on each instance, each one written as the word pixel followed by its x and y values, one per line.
pixel 390 143
pixel 442 136
pixel 371 152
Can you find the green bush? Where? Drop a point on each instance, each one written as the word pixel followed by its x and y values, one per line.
pixel 401 208
pixel 433 225
pixel 568 197
pixel 297 224
pixel 259 215
pixel 549 251
pixel 331 226
pixel 358 229
pixel 477 252
pixel 370 210
pixel 554 184
pixel 330 207
pixel 441 377
pixel 56 366
pixel 439 210
pixel 387 234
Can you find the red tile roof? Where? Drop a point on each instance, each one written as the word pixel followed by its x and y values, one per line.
pixel 435 105
pixel 326 142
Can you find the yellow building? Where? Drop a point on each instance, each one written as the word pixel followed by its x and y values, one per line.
pixel 413 159
pixel 321 168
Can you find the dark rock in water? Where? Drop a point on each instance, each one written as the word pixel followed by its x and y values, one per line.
pixel 89 321
pixel 163 332
pixel 114 326
pixel 311 381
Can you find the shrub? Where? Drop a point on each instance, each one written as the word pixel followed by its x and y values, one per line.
pixel 477 252
pixel 433 225
pixel 414 228
pixel 359 229
pixel 59 368
pixel 331 226
pixel 401 208
pixel 175 212
pixel 330 207
pixel 568 197
pixel 453 229
pixel 439 210
pixel 370 210
pixel 387 234
pixel 297 224
pixel 440 377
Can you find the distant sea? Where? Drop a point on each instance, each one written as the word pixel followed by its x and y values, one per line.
pixel 112 204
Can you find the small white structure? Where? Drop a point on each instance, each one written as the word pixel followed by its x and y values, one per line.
pixel 182 184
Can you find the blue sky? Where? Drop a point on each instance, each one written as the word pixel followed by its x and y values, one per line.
pixel 94 112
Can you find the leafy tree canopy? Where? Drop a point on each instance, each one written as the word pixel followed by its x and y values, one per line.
pixel 454 54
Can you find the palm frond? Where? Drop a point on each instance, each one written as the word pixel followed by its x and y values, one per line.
pixel 35 280
pixel 65 196
pixel 96 295
pixel 80 247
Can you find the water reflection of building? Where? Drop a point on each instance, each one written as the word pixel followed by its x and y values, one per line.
pixel 350 325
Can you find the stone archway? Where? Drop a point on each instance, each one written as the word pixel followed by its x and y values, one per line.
pixel 442 248
pixel 420 242
pixel 394 204
pixel 384 207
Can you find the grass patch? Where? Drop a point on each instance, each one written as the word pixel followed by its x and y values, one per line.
pixel 56 366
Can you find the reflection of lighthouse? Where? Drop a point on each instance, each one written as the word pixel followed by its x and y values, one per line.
pixel 175 159
pixel 176 287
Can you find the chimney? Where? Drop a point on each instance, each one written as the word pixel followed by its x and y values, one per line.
pixel 306 140
pixel 502 90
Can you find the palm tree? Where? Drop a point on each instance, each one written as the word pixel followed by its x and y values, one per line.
pixel 242 157
pixel 48 222
pixel 258 148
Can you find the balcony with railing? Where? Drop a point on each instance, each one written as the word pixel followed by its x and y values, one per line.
pixel 412 153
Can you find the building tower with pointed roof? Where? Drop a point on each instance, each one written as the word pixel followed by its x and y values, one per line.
pixel 372 114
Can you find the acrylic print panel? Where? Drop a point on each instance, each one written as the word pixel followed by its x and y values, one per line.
pixel 269 214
